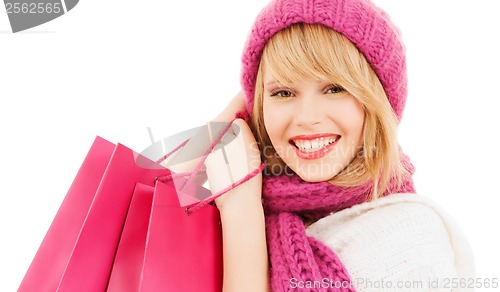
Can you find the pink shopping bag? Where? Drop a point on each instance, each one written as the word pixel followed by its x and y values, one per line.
pixel 181 246
pixel 78 250
pixel 129 260
pixel 183 252
pixel 162 248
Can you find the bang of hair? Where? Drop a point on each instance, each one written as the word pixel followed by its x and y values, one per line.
pixel 303 51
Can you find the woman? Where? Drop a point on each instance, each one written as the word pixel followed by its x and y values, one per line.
pixel 325 86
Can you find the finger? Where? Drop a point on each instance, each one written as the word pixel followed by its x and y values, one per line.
pixel 240 128
pixel 245 135
pixel 228 137
pixel 218 173
pixel 235 156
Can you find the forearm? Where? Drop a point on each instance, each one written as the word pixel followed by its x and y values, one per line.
pixel 245 249
pixel 242 215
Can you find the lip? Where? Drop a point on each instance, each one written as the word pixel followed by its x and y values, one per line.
pixel 312 137
pixel 316 154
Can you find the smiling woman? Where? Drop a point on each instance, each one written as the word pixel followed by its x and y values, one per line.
pixel 307 61
pixel 325 85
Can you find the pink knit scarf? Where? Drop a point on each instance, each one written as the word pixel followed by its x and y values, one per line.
pixel 293 255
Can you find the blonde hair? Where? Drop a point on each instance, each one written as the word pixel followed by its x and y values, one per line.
pixel 303 51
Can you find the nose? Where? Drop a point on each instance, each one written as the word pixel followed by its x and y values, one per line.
pixel 308 111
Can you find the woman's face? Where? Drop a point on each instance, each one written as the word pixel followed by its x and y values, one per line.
pixel 315 127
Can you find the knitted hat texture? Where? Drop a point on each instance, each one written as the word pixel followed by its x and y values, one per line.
pixel 364 24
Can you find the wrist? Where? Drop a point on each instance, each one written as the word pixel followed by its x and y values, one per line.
pixel 244 197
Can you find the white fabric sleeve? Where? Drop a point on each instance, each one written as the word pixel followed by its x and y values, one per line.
pixel 401 242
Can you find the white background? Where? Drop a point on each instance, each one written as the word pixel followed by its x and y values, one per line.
pixel 113 68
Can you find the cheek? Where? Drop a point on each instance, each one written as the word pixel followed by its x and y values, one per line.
pixel 271 121
pixel 352 118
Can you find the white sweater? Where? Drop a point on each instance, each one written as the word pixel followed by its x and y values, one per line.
pixel 402 242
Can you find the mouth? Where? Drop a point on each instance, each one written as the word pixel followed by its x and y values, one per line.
pixel 314 146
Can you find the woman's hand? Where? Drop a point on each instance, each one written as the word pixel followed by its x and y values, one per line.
pixel 179 163
pixel 233 158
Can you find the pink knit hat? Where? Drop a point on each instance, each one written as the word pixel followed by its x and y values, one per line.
pixel 364 24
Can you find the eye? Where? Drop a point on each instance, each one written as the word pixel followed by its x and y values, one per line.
pixel 335 89
pixel 282 93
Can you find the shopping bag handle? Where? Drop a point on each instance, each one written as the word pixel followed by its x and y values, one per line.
pixel 197 206
pixel 197 169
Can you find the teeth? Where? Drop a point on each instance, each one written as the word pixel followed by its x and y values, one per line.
pixel 314 145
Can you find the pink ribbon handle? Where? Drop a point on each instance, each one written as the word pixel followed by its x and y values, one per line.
pixel 197 169
pixel 193 208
